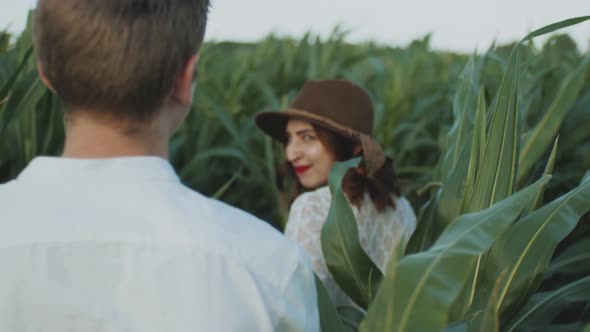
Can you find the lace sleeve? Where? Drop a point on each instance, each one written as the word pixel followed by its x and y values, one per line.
pixel 304 226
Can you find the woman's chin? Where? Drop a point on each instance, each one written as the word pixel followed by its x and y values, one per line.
pixel 310 184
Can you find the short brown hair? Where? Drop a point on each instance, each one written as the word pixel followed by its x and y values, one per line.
pixel 118 56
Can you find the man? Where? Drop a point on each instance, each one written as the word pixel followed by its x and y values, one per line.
pixel 106 238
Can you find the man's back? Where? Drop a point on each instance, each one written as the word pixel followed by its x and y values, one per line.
pixel 120 245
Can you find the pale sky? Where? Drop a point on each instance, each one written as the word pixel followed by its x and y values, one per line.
pixel 460 25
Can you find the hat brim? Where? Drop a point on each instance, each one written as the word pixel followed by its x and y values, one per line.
pixel 273 123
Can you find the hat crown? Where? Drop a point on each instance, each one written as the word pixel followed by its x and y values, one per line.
pixel 339 101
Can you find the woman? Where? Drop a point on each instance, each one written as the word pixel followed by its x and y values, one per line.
pixel 330 121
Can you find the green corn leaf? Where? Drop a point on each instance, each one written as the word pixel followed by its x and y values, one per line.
pixel 488 320
pixel 477 153
pixel 575 260
pixel 495 180
pixel 192 166
pixel 465 298
pixel 351 317
pixel 576 123
pixel 426 230
pixel 350 266
pixel 9 84
pixel 544 307
pixel 464 104
pixel 458 161
pixel 329 318
pixel 227 121
pixel 426 284
pixel 540 138
pixel 219 193
pixel 453 191
pixel 548 171
pixel 555 26
pixel 461 326
pixel 455 160
pixel 566 327
pixel 23 98
pixel 526 248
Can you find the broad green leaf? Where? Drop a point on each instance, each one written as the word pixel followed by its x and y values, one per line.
pixel 477 152
pixel 548 171
pixel 4 41
pixel 351 318
pixel 488 320
pixel 458 327
pixel 464 104
pixel 526 248
pixel 539 140
pixel 555 26
pixel 453 191
pixel 495 180
pixel 329 318
pixel 426 284
pixel 219 193
pixel 227 121
pixel 574 260
pixel 576 123
pixel 571 327
pixel 23 98
pixel 465 298
pixel 446 203
pixel 350 266
pixel 266 90
pixel 8 85
pixel 456 162
pixel 544 307
pixel 426 232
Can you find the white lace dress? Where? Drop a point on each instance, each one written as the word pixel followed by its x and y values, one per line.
pixel 379 232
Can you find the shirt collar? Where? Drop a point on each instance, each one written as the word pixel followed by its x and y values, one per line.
pixel 121 169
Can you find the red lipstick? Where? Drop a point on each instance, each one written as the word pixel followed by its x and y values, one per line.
pixel 301 169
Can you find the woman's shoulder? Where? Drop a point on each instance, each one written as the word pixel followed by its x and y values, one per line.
pixel 402 209
pixel 318 196
pixel 402 204
pixel 308 212
pixel 405 212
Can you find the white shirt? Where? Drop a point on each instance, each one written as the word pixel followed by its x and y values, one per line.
pixel 121 245
pixel 380 233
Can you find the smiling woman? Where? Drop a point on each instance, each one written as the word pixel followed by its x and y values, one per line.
pixel 310 159
pixel 332 121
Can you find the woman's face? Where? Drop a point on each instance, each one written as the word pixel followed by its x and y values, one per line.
pixel 310 159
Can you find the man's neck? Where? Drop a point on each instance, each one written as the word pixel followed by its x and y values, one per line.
pixel 86 137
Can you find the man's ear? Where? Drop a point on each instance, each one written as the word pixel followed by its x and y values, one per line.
pixel 183 88
pixel 43 77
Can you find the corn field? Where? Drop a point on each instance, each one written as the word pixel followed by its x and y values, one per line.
pixel 493 151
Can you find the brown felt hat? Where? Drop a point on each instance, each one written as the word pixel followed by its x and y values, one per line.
pixel 337 105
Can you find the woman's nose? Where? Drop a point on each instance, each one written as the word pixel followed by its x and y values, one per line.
pixel 292 151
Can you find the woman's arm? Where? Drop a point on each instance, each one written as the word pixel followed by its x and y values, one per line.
pixel 304 226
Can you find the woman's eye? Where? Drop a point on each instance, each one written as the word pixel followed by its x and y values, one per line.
pixel 307 137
